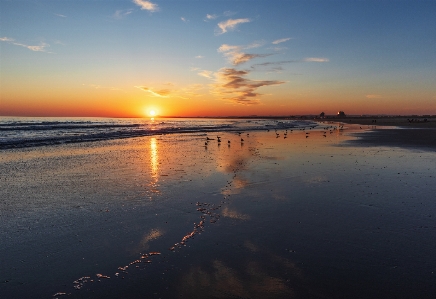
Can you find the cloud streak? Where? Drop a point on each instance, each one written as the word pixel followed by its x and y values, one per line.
pixel 119 14
pixel 272 66
pixel 206 74
pixel 282 40
pixel 316 59
pixel 233 85
pixel 277 65
pixel 161 93
pixel 40 48
pixel 230 24
pixel 146 5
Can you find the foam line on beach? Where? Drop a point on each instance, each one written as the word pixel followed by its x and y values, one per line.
pixel 33 134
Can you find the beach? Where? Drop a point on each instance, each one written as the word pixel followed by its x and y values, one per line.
pixel 325 212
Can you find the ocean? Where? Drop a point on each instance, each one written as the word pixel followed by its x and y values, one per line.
pixel 19 132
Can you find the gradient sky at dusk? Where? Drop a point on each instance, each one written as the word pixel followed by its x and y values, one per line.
pixel 217 58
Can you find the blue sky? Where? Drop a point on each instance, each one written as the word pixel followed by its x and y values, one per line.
pixel 220 57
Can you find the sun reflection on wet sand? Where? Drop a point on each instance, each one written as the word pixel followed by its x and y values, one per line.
pixel 154 165
pixel 154 159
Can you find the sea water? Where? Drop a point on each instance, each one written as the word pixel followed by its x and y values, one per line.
pixel 16 132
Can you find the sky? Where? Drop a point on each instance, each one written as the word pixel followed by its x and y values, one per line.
pixel 125 58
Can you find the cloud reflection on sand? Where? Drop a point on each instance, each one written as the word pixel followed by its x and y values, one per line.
pixel 223 281
pixel 249 278
pixel 231 213
pixel 151 235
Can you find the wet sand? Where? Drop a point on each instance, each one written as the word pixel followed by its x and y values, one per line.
pixel 312 215
pixel 407 132
pixel 404 121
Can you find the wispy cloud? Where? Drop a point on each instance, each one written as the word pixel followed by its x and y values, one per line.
pixel 203 73
pixel 42 47
pixel 233 85
pixel 230 24
pixel 316 59
pixel 373 96
pixel 235 55
pixel 59 15
pixel 184 19
pixel 211 17
pixel 282 40
pixel 278 49
pixel 225 48
pixel 163 92
pixel 146 5
pixel 206 74
pixel 6 39
pixel 199 56
pixel 277 65
pixel 119 14
pixel 229 13
pixel 272 66
pixel 243 57
pixel 58 42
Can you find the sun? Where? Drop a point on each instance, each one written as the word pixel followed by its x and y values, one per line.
pixel 150 111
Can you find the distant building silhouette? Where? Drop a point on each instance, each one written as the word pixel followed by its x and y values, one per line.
pixel 341 114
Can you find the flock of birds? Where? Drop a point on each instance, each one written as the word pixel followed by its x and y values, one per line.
pixel 324 131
